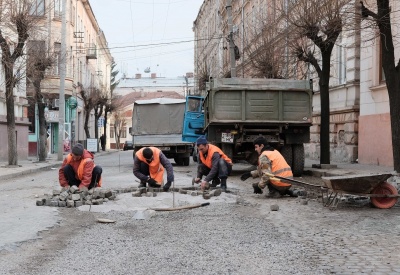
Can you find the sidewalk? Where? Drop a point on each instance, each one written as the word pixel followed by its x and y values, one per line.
pixel 344 169
pixel 32 165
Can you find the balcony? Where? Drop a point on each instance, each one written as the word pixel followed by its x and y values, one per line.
pixel 91 51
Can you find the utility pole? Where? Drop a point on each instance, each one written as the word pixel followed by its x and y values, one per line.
pixel 61 110
pixel 230 37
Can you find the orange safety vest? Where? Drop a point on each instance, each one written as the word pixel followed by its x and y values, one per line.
pixel 211 150
pixel 279 167
pixel 81 167
pixel 155 168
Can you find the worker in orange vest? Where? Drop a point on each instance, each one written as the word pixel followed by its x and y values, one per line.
pixel 78 169
pixel 213 164
pixel 270 161
pixel 148 167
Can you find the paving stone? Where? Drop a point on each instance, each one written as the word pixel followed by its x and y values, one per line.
pixel 54 203
pixel 274 207
pixel 73 189
pixel 76 197
pixel 39 202
pixel 62 204
pixel 70 203
pixel 78 203
pixel 56 192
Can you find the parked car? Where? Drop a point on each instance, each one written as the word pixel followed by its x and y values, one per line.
pixel 128 145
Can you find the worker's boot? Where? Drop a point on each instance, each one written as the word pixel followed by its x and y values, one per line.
pixel 223 185
pixel 215 182
pixel 142 184
pixel 290 193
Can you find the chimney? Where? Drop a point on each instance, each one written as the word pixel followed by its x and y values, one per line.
pixel 153 75
pixel 138 76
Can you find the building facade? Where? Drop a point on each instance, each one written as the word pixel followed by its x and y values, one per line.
pixel 88 69
pixel 256 24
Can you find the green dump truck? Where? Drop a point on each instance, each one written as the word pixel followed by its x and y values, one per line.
pixel 235 111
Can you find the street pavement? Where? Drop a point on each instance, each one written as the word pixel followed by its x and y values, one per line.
pixel 347 240
pixel 31 165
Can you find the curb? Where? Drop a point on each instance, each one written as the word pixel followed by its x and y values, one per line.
pixel 29 171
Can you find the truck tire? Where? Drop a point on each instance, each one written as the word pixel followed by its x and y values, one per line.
pixel 287 153
pixel 228 150
pixel 298 160
pixel 186 161
pixel 178 161
pixel 195 154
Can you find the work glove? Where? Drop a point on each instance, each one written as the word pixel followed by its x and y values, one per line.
pixel 245 176
pixel 152 183
pixel 167 186
pixel 257 189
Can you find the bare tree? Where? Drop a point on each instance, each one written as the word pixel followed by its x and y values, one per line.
pixel 316 26
pixel 16 21
pixel 382 21
pixel 119 125
pixel 265 51
pixel 110 104
pixel 90 97
pixel 39 60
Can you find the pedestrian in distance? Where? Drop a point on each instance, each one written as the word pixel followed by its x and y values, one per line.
pixel 270 161
pixel 149 165
pixel 214 164
pixel 103 142
pixel 78 169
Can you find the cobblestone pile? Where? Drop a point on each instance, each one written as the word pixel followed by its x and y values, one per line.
pixel 75 197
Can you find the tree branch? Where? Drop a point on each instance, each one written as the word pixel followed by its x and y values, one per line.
pixel 365 12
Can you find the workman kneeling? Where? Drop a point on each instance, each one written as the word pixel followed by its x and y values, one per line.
pixel 270 162
pixel 148 167
pixel 78 169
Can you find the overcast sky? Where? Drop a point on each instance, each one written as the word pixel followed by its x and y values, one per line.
pixel 149 34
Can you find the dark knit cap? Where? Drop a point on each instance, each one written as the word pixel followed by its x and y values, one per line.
pixel 147 153
pixel 77 149
pixel 201 140
pixel 260 141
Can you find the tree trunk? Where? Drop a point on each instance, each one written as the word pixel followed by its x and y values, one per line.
pixel 42 132
pixel 105 127
pixel 325 108
pixel 11 133
pixel 392 75
pixel 86 125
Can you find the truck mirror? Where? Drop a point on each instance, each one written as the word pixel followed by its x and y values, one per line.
pixel 130 131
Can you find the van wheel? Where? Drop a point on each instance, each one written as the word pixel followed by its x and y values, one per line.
pixel 298 160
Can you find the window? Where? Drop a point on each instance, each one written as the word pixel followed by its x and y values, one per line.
pixel 37 8
pixel 57 53
pixel 341 64
pixel 123 132
pixel 57 8
pixel 112 131
pixel 72 13
pixel 382 76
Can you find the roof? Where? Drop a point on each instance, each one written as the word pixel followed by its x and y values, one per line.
pixel 134 96
pixel 179 81
pixel 160 101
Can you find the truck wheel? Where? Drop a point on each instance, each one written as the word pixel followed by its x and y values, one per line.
pixel 228 150
pixel 287 153
pixel 298 160
pixel 195 154
pixel 186 161
pixel 178 161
